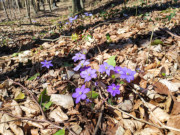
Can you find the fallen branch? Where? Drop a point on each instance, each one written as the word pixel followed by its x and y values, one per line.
pixel 170 33
pixel 99 120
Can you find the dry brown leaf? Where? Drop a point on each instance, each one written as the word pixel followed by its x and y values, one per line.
pixel 65 101
pixel 4 127
pixel 58 115
pixel 16 110
pixel 151 66
pixel 148 131
pixel 17 130
pixel 30 108
pixel 172 86
pixel 143 83
pixel 132 125
pixel 35 124
pixel 176 107
pixel 161 88
pixel 158 113
pixel 34 132
pixel 174 121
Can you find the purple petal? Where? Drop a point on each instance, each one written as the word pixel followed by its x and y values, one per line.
pixel 75 95
pixel 83 96
pixel 78 99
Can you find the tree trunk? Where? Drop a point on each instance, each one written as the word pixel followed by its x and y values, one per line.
pixel 77 6
pixel 27 3
pixel 49 2
pixel 17 4
pixel 5 11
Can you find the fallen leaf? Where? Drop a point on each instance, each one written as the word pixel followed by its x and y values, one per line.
pixel 173 87
pixel 158 113
pixel 161 88
pixel 148 131
pixel 58 115
pixel 176 107
pixel 174 121
pixel 65 101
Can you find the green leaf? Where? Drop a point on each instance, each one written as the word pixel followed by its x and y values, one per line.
pixel 34 76
pixel 74 37
pixel 163 74
pixel 92 94
pixel 47 105
pixel 60 132
pixel 20 96
pixel 108 37
pixel 15 54
pixel 156 42
pixel 44 97
pixel 111 61
pixel 110 101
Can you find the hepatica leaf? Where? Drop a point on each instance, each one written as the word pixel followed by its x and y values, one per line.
pixel 111 61
pixel 92 94
pixel 74 37
pixel 60 132
pixel 34 76
pixel 43 97
pixel 156 42
pixel 20 96
pixel 47 105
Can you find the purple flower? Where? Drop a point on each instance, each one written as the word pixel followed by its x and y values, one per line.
pixel 46 64
pixel 113 89
pixel 71 19
pixel 81 64
pixel 118 69
pixel 87 100
pixel 79 56
pixel 88 74
pixel 105 68
pixel 34 21
pixel 67 23
pixel 80 93
pixel 88 14
pixel 84 68
pixel 127 74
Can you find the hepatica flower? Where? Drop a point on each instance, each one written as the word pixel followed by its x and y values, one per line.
pixel 80 93
pixel 71 19
pixel 88 74
pixel 46 64
pixel 113 89
pixel 88 14
pixel 81 64
pixel 105 68
pixel 127 74
pixel 79 56
pixel 118 69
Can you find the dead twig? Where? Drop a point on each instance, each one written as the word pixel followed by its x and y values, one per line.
pixel 170 33
pixel 99 120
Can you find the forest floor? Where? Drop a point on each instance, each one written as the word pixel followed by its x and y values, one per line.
pixel 141 40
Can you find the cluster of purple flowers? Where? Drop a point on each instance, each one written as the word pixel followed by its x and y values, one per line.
pixel 88 14
pixel 88 73
pixel 124 73
pixel 71 19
